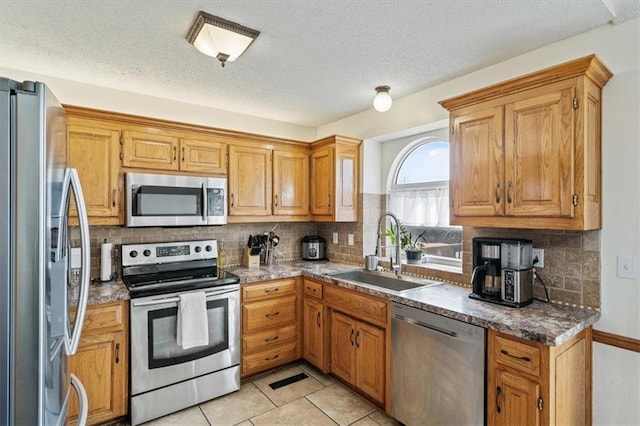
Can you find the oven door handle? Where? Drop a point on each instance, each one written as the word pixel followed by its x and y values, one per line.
pixel 177 299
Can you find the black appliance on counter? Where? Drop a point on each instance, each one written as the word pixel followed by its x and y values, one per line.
pixel 502 271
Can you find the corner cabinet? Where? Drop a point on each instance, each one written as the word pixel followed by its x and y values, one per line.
pixel 93 149
pixel 526 153
pixel 101 363
pixel 533 384
pixel 334 179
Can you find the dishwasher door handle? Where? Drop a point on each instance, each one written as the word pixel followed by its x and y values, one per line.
pixel 431 327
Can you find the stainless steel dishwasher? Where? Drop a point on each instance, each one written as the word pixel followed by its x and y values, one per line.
pixel 437 369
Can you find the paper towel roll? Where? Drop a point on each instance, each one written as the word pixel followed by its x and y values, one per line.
pixel 105 261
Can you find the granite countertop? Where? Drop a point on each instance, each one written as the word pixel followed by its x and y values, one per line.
pixel 546 323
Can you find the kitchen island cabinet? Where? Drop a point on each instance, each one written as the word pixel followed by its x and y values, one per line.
pixel 526 153
pixel 101 363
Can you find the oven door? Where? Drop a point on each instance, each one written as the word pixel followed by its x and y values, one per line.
pixel 156 358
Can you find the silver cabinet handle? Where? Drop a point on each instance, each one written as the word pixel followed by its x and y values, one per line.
pixel 72 338
pixel 205 207
pixel 83 401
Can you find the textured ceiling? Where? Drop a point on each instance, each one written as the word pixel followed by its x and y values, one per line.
pixel 314 62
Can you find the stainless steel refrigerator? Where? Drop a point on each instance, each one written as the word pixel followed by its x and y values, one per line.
pixel 35 291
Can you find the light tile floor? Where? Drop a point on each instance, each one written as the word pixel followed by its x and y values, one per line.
pixel 316 400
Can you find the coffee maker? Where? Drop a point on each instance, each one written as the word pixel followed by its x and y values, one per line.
pixel 502 271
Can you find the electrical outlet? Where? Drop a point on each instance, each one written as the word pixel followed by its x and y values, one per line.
pixel 350 239
pixel 626 267
pixel 539 253
pixel 335 238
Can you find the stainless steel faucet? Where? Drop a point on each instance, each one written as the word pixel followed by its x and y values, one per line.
pixel 397 267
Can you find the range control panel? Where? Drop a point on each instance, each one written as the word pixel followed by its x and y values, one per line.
pixel 147 254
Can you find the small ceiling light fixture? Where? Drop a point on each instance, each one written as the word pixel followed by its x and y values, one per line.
pixel 382 102
pixel 219 38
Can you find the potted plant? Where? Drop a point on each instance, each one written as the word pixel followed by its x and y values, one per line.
pixel 411 247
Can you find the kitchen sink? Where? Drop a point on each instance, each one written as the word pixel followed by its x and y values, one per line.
pixel 385 280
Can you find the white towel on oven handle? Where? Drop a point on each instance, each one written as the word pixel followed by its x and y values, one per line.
pixel 193 325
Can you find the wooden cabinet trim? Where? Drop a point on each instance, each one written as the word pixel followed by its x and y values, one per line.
pixel 591 66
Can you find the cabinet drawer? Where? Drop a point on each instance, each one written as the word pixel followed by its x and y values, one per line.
pixel 312 288
pixel 363 306
pixel 266 339
pixel 104 317
pixel 268 289
pixel 268 359
pixel 268 313
pixel 517 355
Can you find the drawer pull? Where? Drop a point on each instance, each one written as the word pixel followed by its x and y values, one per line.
pixel 311 289
pixel 271 358
pixel 498 392
pixel 521 358
pixel 269 290
pixel 273 314
pixel 271 339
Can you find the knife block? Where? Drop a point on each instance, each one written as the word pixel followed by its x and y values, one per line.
pixel 250 261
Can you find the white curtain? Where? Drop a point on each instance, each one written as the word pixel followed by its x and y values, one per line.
pixel 421 207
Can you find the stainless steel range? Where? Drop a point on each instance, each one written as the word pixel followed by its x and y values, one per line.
pixel 165 376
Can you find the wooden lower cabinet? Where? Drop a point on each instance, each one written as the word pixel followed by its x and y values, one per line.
pixel 271 331
pixel 358 354
pixel 101 363
pixel 533 384
pixel 313 346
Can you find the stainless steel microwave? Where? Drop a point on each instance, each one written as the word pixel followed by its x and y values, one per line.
pixel 170 200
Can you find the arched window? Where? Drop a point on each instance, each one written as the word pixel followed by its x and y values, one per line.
pixel 419 196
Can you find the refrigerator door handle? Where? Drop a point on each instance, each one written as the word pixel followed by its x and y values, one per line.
pixel 62 216
pixel 83 401
pixel 73 341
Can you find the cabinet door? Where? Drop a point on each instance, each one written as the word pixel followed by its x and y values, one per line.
pixel 94 152
pixel 290 183
pixel 203 155
pixel 370 360
pixel 249 181
pixel 346 181
pixel 343 354
pixel 514 401
pixel 100 365
pixel 477 163
pixel 322 181
pixel 149 150
pixel 539 152
pixel 313 343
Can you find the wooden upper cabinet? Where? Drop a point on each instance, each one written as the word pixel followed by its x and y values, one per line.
pixel 526 153
pixel 334 179
pixel 477 162
pixel 201 154
pixel 249 181
pixel 149 150
pixel 290 182
pixel 93 149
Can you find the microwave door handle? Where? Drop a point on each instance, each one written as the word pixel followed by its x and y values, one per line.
pixel 205 207
pixel 72 338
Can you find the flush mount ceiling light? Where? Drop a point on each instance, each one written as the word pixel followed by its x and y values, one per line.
pixel 222 39
pixel 382 102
